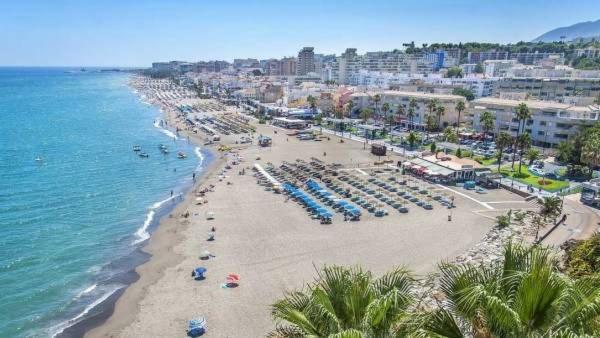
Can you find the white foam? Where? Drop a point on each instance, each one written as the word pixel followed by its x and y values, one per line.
pixel 142 233
pixel 60 328
pixel 165 131
pixel 86 291
pixel 200 157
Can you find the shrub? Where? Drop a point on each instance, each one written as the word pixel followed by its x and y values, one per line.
pixel 503 221
pixel 583 257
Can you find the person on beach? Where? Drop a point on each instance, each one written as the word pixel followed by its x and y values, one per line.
pixel 194 177
pixel 171 193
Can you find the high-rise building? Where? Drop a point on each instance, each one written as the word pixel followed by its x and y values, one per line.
pixel 288 66
pixel 306 61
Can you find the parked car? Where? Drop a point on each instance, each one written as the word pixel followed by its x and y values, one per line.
pixel 536 171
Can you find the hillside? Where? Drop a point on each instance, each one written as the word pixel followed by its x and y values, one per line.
pixel 579 30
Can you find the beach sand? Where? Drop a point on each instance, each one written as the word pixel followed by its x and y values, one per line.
pixel 273 245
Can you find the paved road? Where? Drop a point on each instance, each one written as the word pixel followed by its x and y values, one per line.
pixel 582 221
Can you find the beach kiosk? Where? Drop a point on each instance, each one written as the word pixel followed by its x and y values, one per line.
pixel 378 149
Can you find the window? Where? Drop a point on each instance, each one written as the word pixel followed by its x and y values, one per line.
pixel 542 123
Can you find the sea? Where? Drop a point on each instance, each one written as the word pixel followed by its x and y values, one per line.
pixel 76 202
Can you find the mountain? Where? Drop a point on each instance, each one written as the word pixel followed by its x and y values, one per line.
pixel 587 29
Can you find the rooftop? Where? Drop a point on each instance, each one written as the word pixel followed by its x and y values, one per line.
pixel 534 104
pixel 411 94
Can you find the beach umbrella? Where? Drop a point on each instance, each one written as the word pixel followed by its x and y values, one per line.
pixel 233 278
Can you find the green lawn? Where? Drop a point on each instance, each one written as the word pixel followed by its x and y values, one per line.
pixel 529 178
pixel 486 162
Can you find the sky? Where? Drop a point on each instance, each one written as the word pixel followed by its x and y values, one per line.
pixel 136 33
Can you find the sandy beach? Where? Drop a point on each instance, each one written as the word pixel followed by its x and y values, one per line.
pixel 274 245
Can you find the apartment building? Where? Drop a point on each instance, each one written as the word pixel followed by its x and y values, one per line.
pixel 400 98
pixel 588 52
pixel 498 68
pixel 306 61
pixel 551 122
pixel 572 90
pixel 480 57
pixel 535 57
pixel 288 66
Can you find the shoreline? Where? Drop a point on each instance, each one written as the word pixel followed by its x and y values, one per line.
pixel 97 312
pixel 158 248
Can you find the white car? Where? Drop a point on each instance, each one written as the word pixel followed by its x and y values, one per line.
pixel 537 171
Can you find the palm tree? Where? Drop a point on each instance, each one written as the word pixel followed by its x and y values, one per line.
pixel 366 113
pixel 376 100
pixel 486 119
pixel 345 302
pixel 432 105
pixel 460 107
pixel 532 155
pixel 503 140
pixel 439 112
pixel 589 152
pixel 412 139
pixel 550 206
pixel 523 114
pixel 312 102
pixel 412 105
pixel 524 295
pixel 386 108
pixel 430 123
pixel 564 151
pixel 523 142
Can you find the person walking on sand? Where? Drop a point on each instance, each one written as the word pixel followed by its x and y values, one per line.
pixel 171 193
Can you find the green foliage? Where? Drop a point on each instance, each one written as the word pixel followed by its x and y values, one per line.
pixel 479 68
pixel 564 151
pixel 583 257
pixel 412 139
pixel 454 72
pixel 459 153
pixel 433 147
pixel 467 93
pixel 532 155
pixel 586 63
pixel 366 113
pixel 523 295
pixel 345 302
pixel 450 135
pixel 503 221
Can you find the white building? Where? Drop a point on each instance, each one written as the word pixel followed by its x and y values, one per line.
pixel 498 68
pixel 551 122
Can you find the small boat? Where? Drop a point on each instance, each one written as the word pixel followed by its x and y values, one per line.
pixel 38 159
pixel 164 150
pixel 137 148
pixel 181 155
pixel 162 146
pixel 144 155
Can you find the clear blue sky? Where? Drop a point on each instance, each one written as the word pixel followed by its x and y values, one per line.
pixel 135 33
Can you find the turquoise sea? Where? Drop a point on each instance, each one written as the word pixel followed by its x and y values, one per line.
pixel 76 202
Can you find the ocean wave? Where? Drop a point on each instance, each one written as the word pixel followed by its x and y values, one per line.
pixel 86 291
pixel 142 233
pixel 200 157
pixel 60 328
pixel 165 131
